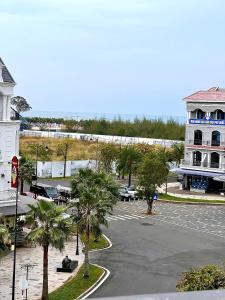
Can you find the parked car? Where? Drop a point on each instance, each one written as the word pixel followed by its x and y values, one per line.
pixel 44 190
pixel 128 193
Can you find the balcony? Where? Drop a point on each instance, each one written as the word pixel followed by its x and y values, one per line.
pixel 205 144
pixel 202 165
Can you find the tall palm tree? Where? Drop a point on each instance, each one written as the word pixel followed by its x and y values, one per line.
pixel 97 193
pixel 51 229
pixel 127 161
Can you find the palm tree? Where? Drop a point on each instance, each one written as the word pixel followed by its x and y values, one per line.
pixel 51 229
pixel 26 172
pixel 97 193
pixel 178 152
pixel 127 161
pixel 4 238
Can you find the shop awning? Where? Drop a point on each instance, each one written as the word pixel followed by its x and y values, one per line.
pixel 22 207
pixel 220 178
pixel 196 172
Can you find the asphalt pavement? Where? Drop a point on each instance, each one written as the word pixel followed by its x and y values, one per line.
pixel 150 253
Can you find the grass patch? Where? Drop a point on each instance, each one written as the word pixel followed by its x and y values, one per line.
pixel 97 245
pixel 173 198
pixel 78 149
pixel 100 244
pixel 74 287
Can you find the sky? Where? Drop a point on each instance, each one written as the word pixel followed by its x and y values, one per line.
pixel 113 56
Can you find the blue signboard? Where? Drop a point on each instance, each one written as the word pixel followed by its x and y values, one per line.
pixel 155 196
pixel 207 121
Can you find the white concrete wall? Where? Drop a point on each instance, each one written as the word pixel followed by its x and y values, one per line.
pixel 101 138
pixel 51 169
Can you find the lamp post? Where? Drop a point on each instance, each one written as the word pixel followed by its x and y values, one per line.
pixel 77 218
pixel 15 184
pixel 27 267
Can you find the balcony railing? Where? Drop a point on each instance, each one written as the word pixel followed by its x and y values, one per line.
pixel 215 143
pixel 197 163
pixel 197 142
pixel 206 143
pixel 214 165
pixel 202 164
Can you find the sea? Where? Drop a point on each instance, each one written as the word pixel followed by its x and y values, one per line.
pixel 107 116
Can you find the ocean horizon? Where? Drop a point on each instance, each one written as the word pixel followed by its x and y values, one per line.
pixel 108 116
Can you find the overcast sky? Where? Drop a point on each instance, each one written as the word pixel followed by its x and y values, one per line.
pixel 115 56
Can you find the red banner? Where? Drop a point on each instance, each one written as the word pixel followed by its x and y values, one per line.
pixel 14 172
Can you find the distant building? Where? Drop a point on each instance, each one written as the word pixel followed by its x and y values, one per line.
pixel 203 166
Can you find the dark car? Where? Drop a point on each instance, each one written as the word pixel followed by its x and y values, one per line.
pixel 44 190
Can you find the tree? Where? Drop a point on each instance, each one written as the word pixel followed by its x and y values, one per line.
pixel 62 150
pixel 127 161
pixel 108 155
pixel 177 153
pixel 209 277
pixel 26 172
pixel 20 104
pixel 51 229
pixel 4 238
pixel 97 193
pixel 151 173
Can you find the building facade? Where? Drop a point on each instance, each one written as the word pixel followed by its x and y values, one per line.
pixel 203 166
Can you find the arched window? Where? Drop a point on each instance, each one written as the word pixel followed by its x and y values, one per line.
pixel 200 114
pixel 197 137
pixel 197 158
pixel 215 160
pixel 217 115
pixel 215 138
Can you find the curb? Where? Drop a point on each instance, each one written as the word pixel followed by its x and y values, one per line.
pixel 110 245
pixel 192 203
pixel 96 285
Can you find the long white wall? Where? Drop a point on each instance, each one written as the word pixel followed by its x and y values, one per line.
pixel 53 169
pixel 101 138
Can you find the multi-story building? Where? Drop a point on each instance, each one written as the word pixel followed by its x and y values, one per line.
pixel 9 147
pixel 204 156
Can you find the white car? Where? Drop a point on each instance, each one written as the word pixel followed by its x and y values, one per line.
pixel 128 193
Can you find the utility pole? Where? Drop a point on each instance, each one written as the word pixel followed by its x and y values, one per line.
pixel 15 184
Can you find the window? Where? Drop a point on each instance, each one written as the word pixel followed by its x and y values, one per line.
pixel 215 160
pixel 217 115
pixel 197 158
pixel 200 114
pixel 215 138
pixel 197 137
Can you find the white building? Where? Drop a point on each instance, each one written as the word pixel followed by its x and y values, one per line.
pixel 9 146
pixel 203 166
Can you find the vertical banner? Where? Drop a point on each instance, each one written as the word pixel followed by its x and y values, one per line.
pixel 14 172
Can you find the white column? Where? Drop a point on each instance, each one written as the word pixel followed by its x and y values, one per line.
pixel 209 159
pixel 9 107
pixel 4 105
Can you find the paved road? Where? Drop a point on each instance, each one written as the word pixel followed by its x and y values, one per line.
pixel 150 253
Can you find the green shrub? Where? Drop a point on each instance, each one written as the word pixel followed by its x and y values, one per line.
pixel 208 277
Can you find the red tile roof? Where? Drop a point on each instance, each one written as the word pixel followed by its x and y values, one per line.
pixel 213 94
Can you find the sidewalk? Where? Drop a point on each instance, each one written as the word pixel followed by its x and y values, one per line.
pixel 174 190
pixel 34 256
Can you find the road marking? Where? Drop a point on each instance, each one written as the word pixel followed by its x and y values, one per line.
pixel 124 216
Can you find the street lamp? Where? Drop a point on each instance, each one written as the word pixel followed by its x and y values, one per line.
pixel 15 184
pixel 77 218
pixel 27 267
